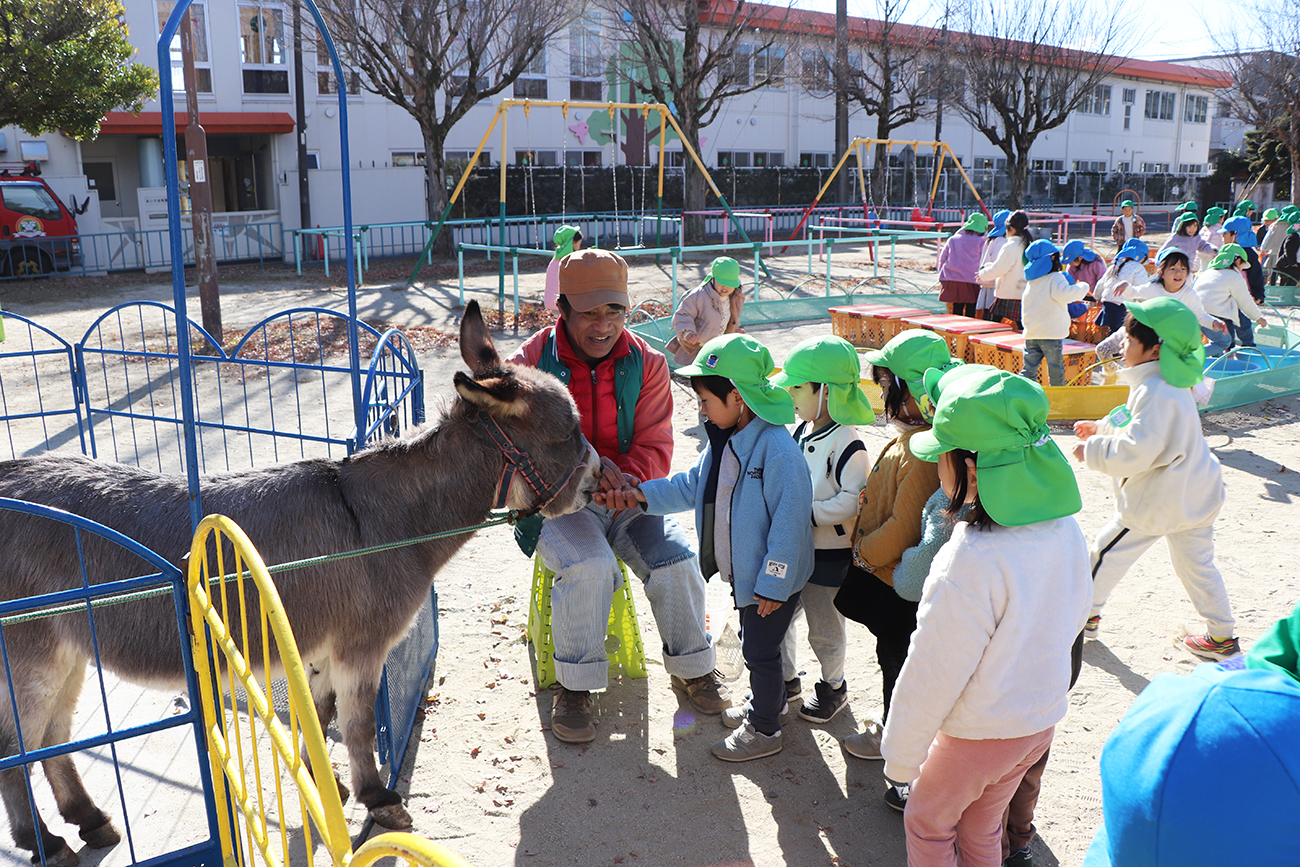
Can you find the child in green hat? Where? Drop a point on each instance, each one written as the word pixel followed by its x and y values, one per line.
pixel 567 239
pixel 822 375
pixel 1288 260
pixel 1167 481
pixel 708 310
pixel 752 497
pixel 959 266
pixel 1128 225
pixel 987 674
pixel 1270 248
pixel 889 517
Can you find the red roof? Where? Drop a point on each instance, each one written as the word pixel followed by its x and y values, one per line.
pixel 213 122
pixel 720 12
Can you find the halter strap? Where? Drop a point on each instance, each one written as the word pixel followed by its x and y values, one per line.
pixel 518 461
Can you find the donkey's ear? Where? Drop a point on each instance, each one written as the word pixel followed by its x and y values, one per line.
pixel 500 395
pixel 475 342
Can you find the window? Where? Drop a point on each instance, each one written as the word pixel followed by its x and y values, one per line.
pixel 936 81
pixel 1047 165
pixel 766 159
pixel 532 83
pixel 769 63
pixel 582 158
pixel 326 80
pixel 417 158
pixel 458 159
pixel 735 68
pixel 1130 97
pixel 313 159
pixel 537 158
pixel 584 90
pixel 1160 104
pixel 1089 165
pixel 1154 168
pixel 734 159
pixel 983 163
pixel 1123 167
pixel 814 161
pixel 1222 109
pixel 262 49
pixel 457 84
pixel 1191 168
pixel 31 200
pixel 816 71
pixel 584 49
pixel 202 65
pixel 673 159
pixel 1196 108
pixel 1097 101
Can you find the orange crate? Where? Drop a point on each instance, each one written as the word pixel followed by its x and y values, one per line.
pixel 1006 351
pixel 1085 329
pixel 956 330
pixel 860 324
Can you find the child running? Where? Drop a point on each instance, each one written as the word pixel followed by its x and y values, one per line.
pixel 889 517
pixel 752 497
pixel 987 674
pixel 1171 281
pixel 822 375
pixel 567 239
pixel 1048 294
pixel 707 311
pixel 1224 294
pixel 1167 481
pixel 1186 237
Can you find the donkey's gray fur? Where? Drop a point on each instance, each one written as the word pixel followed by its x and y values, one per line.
pixel 346 616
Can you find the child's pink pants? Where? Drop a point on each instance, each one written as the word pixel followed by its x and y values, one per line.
pixel 960 796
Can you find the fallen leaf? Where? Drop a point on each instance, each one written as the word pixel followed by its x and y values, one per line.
pixel 591 802
pixel 482 716
pixel 473 754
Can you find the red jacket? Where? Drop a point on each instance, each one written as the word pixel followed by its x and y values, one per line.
pixel 651 452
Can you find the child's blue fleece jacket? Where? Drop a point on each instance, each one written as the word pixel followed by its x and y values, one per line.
pixel 771 535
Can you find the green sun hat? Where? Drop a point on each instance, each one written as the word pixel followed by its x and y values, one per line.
pixel 1228 254
pixel 1290 215
pixel 1184 218
pixel 1182 355
pixel 1023 478
pixel 908 356
pixel 977 223
pixel 1128 203
pixel 748 364
pixel 725 271
pixel 1213 215
pixel 1244 208
pixel 1272 214
pixel 833 362
pixel 1187 207
pixel 564 240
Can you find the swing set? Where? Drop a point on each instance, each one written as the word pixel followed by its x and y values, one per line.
pixel 855 148
pixel 666 119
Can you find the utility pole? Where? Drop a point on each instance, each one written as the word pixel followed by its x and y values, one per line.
pixel 841 95
pixel 300 122
pixel 196 158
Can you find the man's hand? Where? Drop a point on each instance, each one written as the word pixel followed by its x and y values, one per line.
pixel 1085 429
pixel 612 477
pixel 767 606
pixel 1078 452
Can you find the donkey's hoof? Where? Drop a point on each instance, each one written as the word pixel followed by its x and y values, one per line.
pixel 102 837
pixel 344 792
pixel 391 816
pixel 62 857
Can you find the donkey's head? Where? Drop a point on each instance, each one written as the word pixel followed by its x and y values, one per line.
pixel 537 416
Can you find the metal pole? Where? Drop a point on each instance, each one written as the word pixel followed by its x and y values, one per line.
pixel 841 93
pixel 300 110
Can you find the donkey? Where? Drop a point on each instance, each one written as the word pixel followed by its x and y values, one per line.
pixel 346 616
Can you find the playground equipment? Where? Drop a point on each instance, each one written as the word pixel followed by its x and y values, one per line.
pixel 665 119
pixel 855 148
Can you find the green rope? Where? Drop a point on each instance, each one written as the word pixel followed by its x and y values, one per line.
pixel 136 595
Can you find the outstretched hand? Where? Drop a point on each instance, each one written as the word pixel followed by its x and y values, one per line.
pixel 1085 429
pixel 622 498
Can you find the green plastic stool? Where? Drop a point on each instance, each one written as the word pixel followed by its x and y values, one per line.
pixel 624 632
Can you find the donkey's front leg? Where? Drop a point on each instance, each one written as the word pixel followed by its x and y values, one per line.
pixel 356 689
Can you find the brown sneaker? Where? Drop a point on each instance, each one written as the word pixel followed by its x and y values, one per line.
pixel 571 719
pixel 706 693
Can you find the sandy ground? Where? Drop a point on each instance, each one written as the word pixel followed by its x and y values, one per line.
pixel 485 776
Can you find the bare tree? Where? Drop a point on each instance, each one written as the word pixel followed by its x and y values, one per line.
pixel 1029 64
pixel 437 59
pixel 891 75
pixel 695 55
pixel 1264 62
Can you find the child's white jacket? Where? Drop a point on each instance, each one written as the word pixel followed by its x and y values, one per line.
pixel 990 657
pixel 838 464
pixel 1166 478
pixel 1129 272
pixel 1044 311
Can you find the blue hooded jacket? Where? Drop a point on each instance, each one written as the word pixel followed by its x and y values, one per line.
pixel 771 510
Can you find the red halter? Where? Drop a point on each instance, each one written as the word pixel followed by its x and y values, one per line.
pixel 518 461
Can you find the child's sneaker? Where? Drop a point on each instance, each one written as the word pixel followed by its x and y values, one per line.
pixel 1092 627
pixel 732 717
pixel 896 797
pixel 1207 647
pixel 745 743
pixel 825 703
pixel 865 744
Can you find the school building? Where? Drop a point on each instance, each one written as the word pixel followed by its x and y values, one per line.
pixel 1148 117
